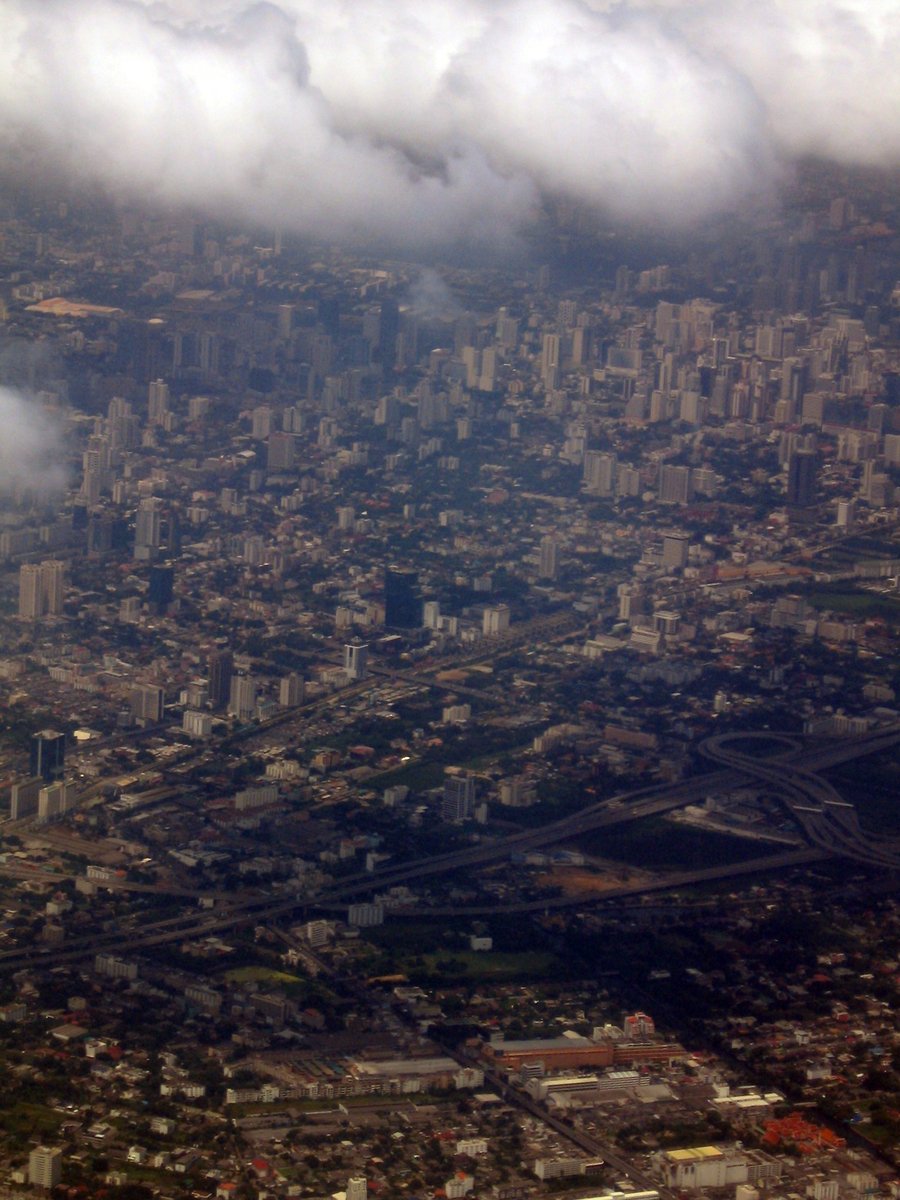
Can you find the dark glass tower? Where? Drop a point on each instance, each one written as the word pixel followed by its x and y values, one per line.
pixel 48 755
pixel 402 602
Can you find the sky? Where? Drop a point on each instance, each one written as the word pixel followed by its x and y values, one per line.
pixel 438 120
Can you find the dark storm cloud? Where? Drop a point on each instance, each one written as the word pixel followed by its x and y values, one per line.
pixel 439 120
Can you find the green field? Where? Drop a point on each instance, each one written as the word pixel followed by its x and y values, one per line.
pixel 657 843
pixel 856 603
pixel 261 975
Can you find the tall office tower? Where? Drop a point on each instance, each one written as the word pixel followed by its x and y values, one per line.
pixel 157 402
pixel 242 701
pixel 147 529
pixel 458 798
pixel 674 485
pixel 161 588
pixel 803 466
pixel 147 702
pixel 220 668
pixel 48 755
pixel 548 566
pixel 45 1167
pixel 356 660
pixel 291 691
pixel 280 451
pixel 402 602
pixel 357 1188
pixel 675 550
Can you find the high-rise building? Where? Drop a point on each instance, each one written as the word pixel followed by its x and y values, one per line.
pixel 45 1166
pixel 458 799
pixel 157 402
pixel 242 700
pixel 674 484
pixel 402 603
pixel 599 472
pixel 280 451
pixel 147 702
pixel 48 755
pixel 675 550
pixel 548 567
pixel 41 589
pixel 495 620
pixel 148 528
pixel 221 668
pixel 291 691
pixel 23 798
pixel 356 659
pixel 30 599
pixel 803 466
pixel 53 801
pixel 357 1188
pixel 161 587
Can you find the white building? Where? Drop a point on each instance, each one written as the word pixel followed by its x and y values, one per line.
pixel 45 1167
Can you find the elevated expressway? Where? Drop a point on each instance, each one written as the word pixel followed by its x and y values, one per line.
pixel 829 823
pixel 826 819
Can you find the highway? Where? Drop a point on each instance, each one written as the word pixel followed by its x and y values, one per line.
pixel 827 820
pixel 832 831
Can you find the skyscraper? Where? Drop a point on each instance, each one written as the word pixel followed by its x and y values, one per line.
pixel 402 603
pixel 48 755
pixel 161 587
pixel 802 476
pixel 220 668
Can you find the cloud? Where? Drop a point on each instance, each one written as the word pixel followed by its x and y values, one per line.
pixel 447 120
pixel 430 298
pixel 31 449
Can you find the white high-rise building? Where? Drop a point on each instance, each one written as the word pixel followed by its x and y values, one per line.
pixel 53 801
pixel 147 528
pixel 495 620
pixel 41 589
pixel 357 1188
pixel 242 701
pixel 157 402
pixel 356 660
pixel 45 1166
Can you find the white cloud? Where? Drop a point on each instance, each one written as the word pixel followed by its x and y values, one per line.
pixel 31 449
pixel 445 119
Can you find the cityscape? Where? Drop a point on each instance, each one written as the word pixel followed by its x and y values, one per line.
pixel 449 721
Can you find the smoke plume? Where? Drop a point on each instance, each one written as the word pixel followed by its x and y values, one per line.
pixel 445 120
